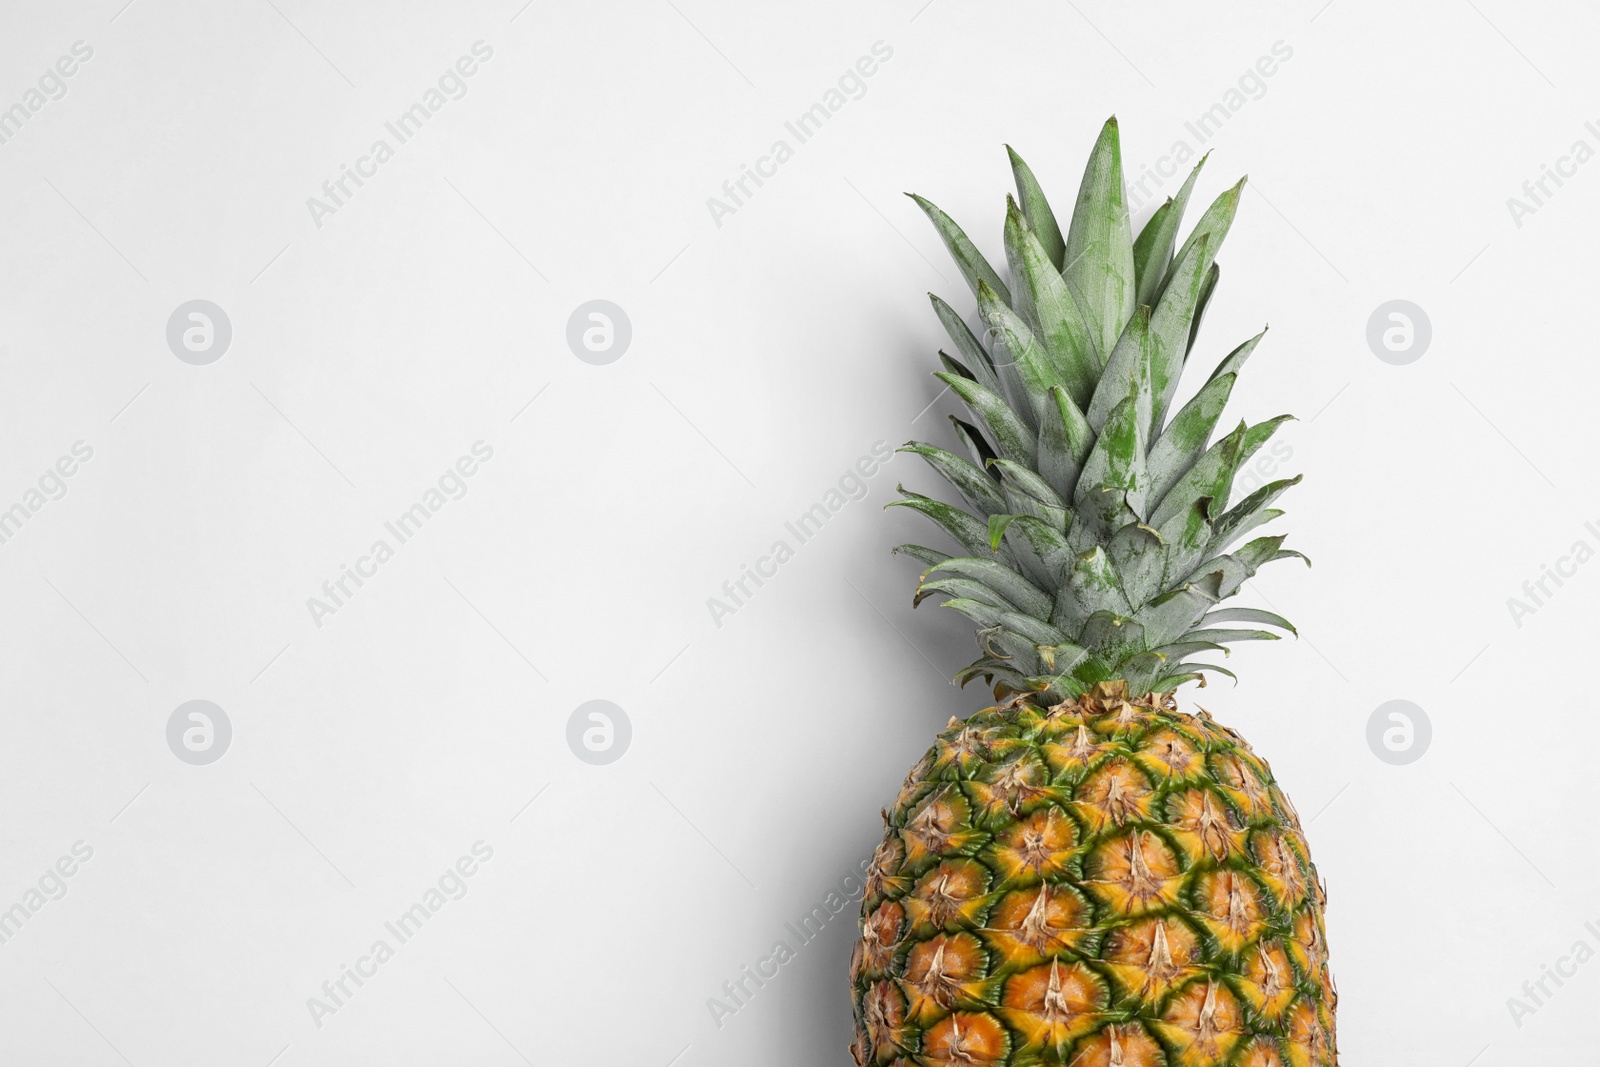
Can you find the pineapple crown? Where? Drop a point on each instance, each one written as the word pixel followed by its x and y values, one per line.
pixel 1098 538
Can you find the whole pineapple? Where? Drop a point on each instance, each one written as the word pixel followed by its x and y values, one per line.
pixel 1083 874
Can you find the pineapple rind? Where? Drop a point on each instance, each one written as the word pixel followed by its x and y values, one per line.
pixel 1104 881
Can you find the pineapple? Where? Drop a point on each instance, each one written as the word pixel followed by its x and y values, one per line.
pixel 1083 873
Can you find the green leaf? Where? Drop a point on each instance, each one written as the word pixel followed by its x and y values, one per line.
pixel 1031 485
pixel 1226 573
pixel 1098 263
pixel 1224 637
pixel 1064 442
pixel 962 528
pixel 955 366
pixel 1214 224
pixel 1057 688
pixel 1117 460
pixel 1209 479
pixel 1194 674
pixel 1017 590
pixel 1048 306
pixel 1184 539
pixel 1148 257
pixel 1220 468
pixel 979 612
pixel 1036 209
pixel 1098 514
pixel 1236 358
pixel 1142 669
pixel 972 353
pixel 1038 547
pixel 1223 575
pixel 1136 551
pixel 1152 251
pixel 974 268
pixel 976 446
pixel 1168 682
pixel 1029 373
pixel 998 525
pixel 1013 439
pixel 930 556
pixel 1169 329
pixel 1127 373
pixel 959 588
pixel 1207 287
pixel 1093 585
pixel 1185 438
pixel 992 669
pixel 1020 652
pixel 1021 503
pixel 1178 651
pixel 1261 550
pixel 1044 538
pixel 1249 513
pixel 1062 657
pixel 1174 613
pixel 975 487
pixel 1259 434
pixel 1113 638
pixel 1255 615
pixel 1035 630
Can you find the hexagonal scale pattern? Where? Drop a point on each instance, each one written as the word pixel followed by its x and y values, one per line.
pixel 1108 882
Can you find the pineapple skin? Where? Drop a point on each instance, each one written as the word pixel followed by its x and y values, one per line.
pixel 1105 882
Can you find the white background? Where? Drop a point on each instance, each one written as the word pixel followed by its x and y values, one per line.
pixel 768 354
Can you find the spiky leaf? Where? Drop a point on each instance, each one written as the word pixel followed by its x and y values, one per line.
pixel 974 268
pixel 1036 209
pixel 1152 249
pixel 1099 255
pixel 1012 437
pixel 1049 307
